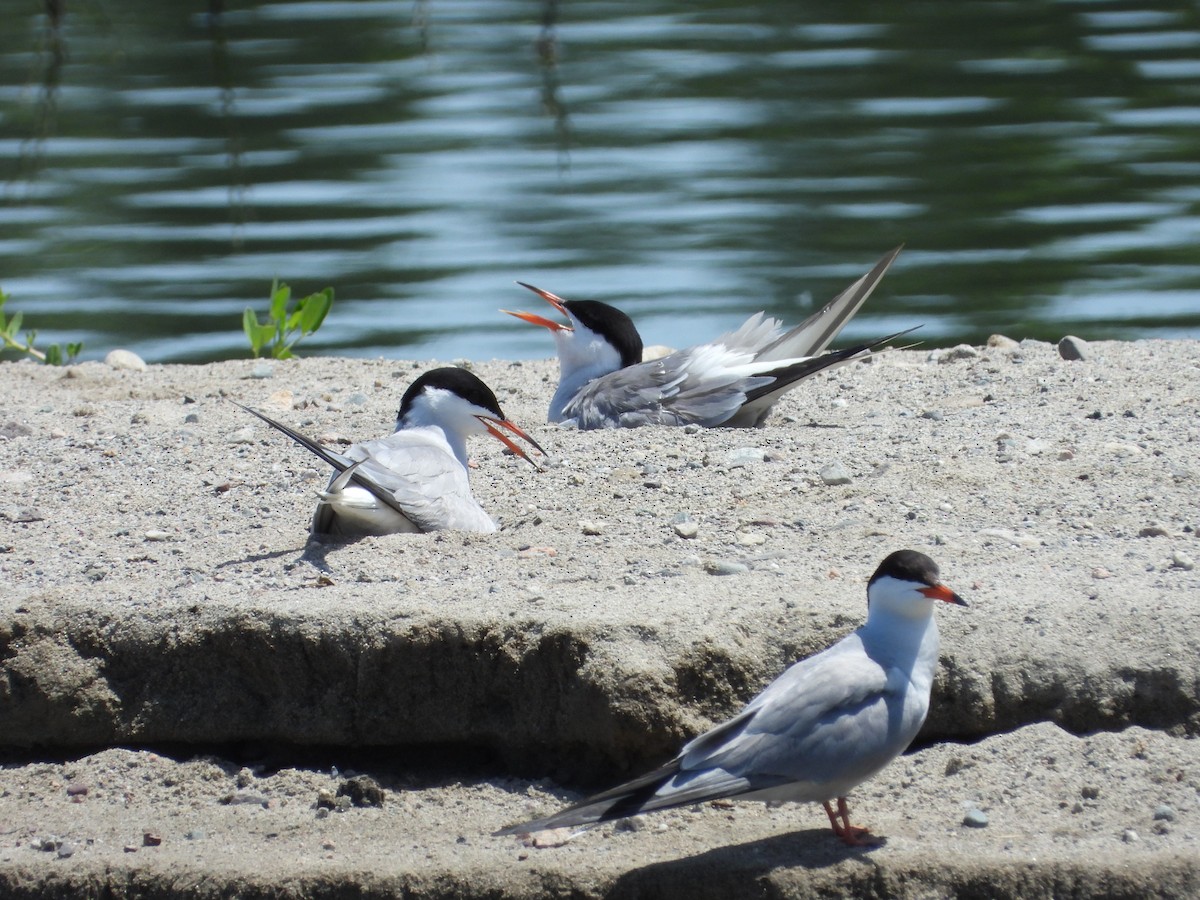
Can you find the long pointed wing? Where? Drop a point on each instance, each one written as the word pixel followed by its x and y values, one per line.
pixel 816 332
pixel 337 460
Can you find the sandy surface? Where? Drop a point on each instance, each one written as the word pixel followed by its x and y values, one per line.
pixel 156 591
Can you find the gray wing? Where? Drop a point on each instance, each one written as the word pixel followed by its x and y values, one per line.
pixel 816 332
pixel 406 472
pixel 820 721
pixel 674 390
pixel 424 479
pixel 826 721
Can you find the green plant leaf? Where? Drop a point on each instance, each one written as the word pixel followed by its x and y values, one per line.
pixel 258 335
pixel 14 324
pixel 281 294
pixel 313 310
pixel 54 355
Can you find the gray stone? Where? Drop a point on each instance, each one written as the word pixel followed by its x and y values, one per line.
pixel 725 567
pixel 1073 348
pixel 953 354
pixel 686 529
pixel 834 474
pixel 125 359
pixel 1181 560
pixel 744 456
pixel 1164 813
pixel 975 818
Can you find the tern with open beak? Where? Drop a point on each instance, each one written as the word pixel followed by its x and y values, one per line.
pixel 827 724
pixel 415 479
pixel 732 381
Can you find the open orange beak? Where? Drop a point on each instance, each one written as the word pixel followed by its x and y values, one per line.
pixel 494 427
pixel 943 593
pixel 533 319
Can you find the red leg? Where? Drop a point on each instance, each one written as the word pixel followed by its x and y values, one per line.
pixel 851 835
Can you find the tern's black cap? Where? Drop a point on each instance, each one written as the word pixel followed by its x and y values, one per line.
pixel 457 381
pixel 612 324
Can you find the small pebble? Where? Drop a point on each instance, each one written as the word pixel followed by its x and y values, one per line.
pixel 245 435
pixel 250 798
pixel 744 456
pixel 1164 813
pixel 77 789
pixel 952 354
pixel 1129 836
pixel 591 528
pixel 154 535
pixel 691 428
pixel 265 370
pixel 834 474
pixel 750 539
pixel 325 799
pixel 934 414
pixel 1180 560
pixel 362 790
pixel 125 359
pixel 244 778
pixel 686 530
pixel 1000 342
pixel 1154 531
pixel 975 818
pixel 151 839
pixel 1073 348
pixel 66 850
pixel 656 351
pixel 725 567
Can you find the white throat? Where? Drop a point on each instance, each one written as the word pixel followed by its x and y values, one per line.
pixel 447 413
pixel 583 356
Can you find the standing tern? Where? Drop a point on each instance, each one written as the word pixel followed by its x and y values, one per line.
pixel 731 381
pixel 827 724
pixel 415 479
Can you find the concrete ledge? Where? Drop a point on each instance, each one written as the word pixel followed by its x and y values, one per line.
pixel 157 590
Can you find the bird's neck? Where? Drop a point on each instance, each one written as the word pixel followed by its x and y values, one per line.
pixel 570 382
pixel 455 441
pixel 895 640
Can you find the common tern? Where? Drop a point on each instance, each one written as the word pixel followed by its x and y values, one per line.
pixel 732 381
pixel 827 724
pixel 415 479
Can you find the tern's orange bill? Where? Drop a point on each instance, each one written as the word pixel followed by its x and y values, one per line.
pixel 553 299
pixel 943 593
pixel 494 425
pixel 534 319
